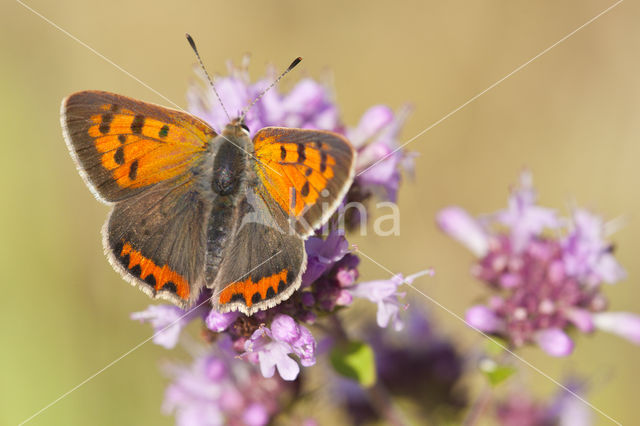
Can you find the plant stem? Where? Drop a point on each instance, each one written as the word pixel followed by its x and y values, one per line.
pixel 379 397
pixel 479 406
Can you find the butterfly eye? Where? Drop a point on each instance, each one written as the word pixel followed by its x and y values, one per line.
pixel 244 126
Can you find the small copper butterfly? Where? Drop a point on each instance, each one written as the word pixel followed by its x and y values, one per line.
pixel 195 209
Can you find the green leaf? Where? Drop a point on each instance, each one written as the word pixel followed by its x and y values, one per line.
pixel 356 361
pixel 495 345
pixel 496 373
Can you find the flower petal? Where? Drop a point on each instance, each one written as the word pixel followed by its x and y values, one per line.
pixel 218 321
pixel 581 318
pixel 167 322
pixel 624 324
pixel 288 368
pixel 372 122
pixel 458 224
pixel 285 329
pixel 555 342
pixel 483 318
pixel 255 415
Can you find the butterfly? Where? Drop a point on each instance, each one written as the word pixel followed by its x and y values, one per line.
pixel 194 209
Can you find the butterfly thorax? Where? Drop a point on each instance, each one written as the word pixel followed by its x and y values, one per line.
pixel 230 162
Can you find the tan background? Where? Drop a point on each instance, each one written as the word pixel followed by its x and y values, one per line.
pixel 571 117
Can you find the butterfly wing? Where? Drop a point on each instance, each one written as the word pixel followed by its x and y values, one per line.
pixel 145 158
pixel 264 263
pixel 156 240
pixel 307 172
pixel 122 145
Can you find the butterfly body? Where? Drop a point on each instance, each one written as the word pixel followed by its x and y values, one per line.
pixel 194 209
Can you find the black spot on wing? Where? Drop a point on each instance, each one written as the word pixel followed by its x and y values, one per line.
pixel 237 297
pixel 136 125
pixel 136 270
pixel 151 280
pixel 256 297
pixel 105 125
pixel 164 131
pixel 305 189
pixel 323 161
pixel 283 152
pixel 271 293
pixel 302 156
pixel 170 286
pixel 122 138
pixel 118 157
pixel 133 170
pixel 282 285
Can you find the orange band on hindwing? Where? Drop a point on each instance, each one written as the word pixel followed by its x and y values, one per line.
pixel 159 278
pixel 250 292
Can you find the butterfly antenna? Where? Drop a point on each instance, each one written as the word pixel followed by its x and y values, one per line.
pixel 195 49
pixel 295 62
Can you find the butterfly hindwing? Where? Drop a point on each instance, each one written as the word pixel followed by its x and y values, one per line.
pixel 263 263
pixel 307 172
pixel 157 240
pixel 122 145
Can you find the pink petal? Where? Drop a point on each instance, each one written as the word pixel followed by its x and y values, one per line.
pixel 624 324
pixel 462 227
pixel 555 342
pixel 582 319
pixel 483 318
pixel 288 368
pixel 217 321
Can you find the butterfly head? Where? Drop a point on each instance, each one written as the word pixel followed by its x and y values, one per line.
pixel 236 128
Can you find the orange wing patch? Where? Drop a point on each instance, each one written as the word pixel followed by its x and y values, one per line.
pixel 139 150
pixel 157 277
pixel 294 173
pixel 250 292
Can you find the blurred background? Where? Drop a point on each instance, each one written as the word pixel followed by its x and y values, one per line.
pixel 571 117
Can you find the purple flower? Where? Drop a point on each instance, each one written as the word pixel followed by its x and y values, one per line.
pixel 554 341
pixel 167 322
pixel 564 409
pixel 308 105
pixel 219 321
pixel 544 283
pixel 483 318
pixel 523 217
pixel 587 255
pixel 219 389
pixel 624 324
pixel 379 159
pixel 274 339
pixel 417 365
pixel 466 230
pixel 273 346
pixel 385 294
pixel 322 254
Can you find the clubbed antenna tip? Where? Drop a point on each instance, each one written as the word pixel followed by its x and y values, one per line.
pixel 295 62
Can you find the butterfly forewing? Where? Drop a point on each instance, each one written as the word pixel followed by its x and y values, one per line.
pixel 307 172
pixel 122 145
